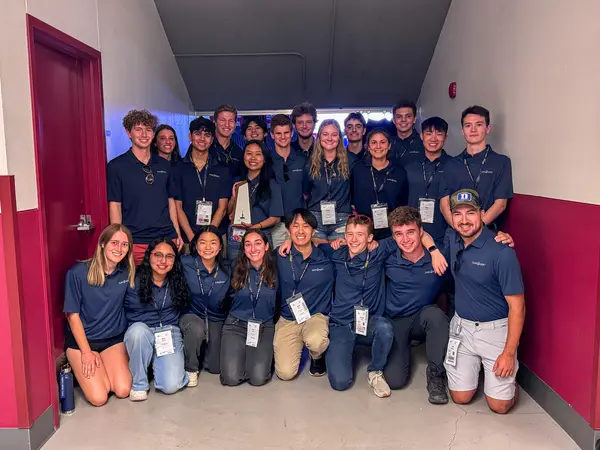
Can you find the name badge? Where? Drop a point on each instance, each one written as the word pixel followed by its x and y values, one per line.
pixel 361 320
pixel 426 209
pixel 237 234
pixel 380 215
pixel 253 333
pixel 203 212
pixel 452 352
pixel 298 307
pixel 328 212
pixel 163 343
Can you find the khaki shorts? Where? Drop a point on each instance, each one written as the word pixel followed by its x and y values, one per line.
pixel 480 343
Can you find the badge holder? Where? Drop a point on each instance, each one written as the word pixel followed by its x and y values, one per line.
pixel 203 212
pixel 328 215
pixel 380 215
pixel 253 333
pixel 163 342
pixel 453 344
pixel 298 307
pixel 427 209
pixel 361 320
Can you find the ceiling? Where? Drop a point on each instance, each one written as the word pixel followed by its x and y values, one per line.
pixel 272 54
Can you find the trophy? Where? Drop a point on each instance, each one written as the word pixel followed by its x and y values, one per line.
pixel 242 209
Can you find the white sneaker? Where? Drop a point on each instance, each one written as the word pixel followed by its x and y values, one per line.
pixel 379 385
pixel 193 376
pixel 138 396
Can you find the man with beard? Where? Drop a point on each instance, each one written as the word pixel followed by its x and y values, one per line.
pixel 355 129
pixel 304 118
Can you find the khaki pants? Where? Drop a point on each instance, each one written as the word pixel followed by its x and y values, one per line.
pixel 290 339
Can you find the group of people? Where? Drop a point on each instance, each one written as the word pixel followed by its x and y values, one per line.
pixel 383 242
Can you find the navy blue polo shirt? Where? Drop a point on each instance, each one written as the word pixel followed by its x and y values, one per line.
pixel 272 206
pixel 390 186
pixel 484 273
pixel 291 190
pixel 296 146
pixel 337 190
pixel 316 285
pixel 144 207
pixel 360 155
pixel 406 150
pixel 264 301
pixel 100 308
pixel 157 311
pixel 419 173
pixel 190 186
pixel 232 156
pixel 203 304
pixel 410 286
pixel 496 176
pixel 348 281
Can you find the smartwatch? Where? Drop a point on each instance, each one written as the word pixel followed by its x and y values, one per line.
pixel 432 248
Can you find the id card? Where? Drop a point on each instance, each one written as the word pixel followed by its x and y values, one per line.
pixel 427 209
pixel 328 212
pixel 452 352
pixel 361 320
pixel 253 333
pixel 203 212
pixel 380 215
pixel 237 234
pixel 298 307
pixel 163 343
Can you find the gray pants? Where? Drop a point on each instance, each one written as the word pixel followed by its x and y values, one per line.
pixel 240 362
pixel 198 352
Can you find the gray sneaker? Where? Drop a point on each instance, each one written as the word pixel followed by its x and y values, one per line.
pixel 378 383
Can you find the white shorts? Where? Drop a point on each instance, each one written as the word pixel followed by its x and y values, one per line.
pixel 480 343
pixel 279 234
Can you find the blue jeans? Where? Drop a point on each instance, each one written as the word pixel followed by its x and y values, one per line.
pixel 340 354
pixel 331 232
pixel 169 372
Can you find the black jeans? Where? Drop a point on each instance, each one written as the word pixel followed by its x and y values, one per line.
pixel 240 362
pixel 198 352
pixel 430 324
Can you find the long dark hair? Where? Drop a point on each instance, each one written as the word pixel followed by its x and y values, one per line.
pixel 194 242
pixel 241 269
pixel 175 155
pixel 179 289
pixel 263 191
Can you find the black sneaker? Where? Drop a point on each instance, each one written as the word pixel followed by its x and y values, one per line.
pixel 317 367
pixel 436 387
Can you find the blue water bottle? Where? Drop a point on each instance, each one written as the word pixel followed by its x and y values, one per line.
pixel 66 390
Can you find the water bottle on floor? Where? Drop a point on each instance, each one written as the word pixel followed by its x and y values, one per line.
pixel 66 390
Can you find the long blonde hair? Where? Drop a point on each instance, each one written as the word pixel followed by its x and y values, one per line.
pixel 316 158
pixel 96 276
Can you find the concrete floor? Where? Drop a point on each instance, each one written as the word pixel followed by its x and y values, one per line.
pixel 305 414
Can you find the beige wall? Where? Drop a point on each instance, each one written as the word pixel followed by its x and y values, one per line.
pixel 535 65
pixel 139 71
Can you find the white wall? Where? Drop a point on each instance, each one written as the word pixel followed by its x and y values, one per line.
pixel 535 65
pixel 139 71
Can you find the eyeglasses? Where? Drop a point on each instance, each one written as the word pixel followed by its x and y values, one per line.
pixel 170 257
pixel 149 174
pixel 286 176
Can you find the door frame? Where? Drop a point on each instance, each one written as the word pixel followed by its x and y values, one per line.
pixel 93 160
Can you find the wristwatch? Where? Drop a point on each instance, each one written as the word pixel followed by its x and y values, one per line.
pixel 432 248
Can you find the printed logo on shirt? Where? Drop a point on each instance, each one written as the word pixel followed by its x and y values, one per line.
pixel 124 281
pixel 416 152
pixel 161 171
pixel 220 282
pixel 392 180
pixel 317 270
pixel 477 263
pixel 214 175
pixel 428 272
pixel 297 170
pixel 487 171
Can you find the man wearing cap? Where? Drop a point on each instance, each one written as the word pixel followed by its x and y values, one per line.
pixel 202 183
pixel 490 308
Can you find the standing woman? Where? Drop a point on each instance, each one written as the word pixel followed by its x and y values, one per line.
pixel 327 181
pixel 247 341
pixel 94 295
pixel 202 322
pixel 152 310
pixel 165 144
pixel 266 203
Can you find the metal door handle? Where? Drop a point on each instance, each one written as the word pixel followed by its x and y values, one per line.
pixel 85 223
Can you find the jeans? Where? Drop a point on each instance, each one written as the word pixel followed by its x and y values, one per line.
pixel 342 340
pixel 331 232
pixel 199 353
pixel 240 362
pixel 169 374
pixel 430 324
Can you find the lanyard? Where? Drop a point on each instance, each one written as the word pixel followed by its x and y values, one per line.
pixel 377 191
pixel 476 181
pixel 428 182
pixel 202 184
pixel 365 268
pixel 297 283
pixel 254 300
pixel 329 167
pixel 162 306
pixel 212 286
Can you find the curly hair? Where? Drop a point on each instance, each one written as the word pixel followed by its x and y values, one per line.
pixel 179 293
pixel 241 269
pixel 139 117
pixel 304 108
pixel 176 155
pixel 317 158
